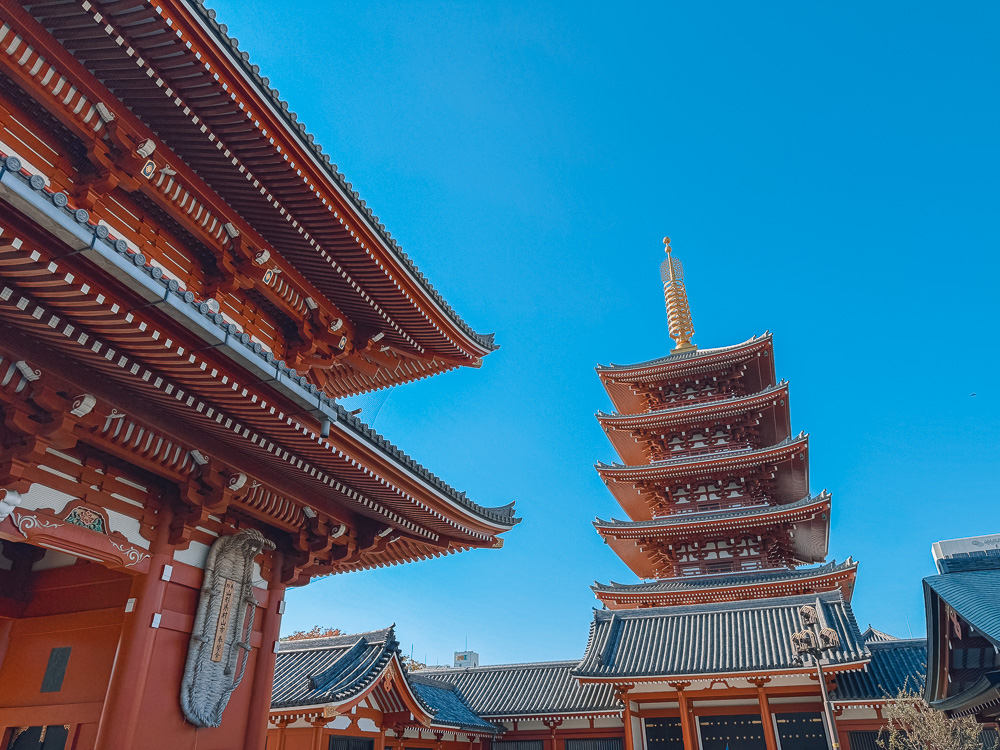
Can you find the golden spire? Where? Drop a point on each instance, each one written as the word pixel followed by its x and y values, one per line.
pixel 678 310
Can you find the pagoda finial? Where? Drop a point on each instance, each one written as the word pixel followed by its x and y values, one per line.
pixel 678 311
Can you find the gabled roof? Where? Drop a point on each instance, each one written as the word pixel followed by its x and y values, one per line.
pixel 330 670
pixel 339 670
pixel 719 638
pixel 871 635
pixel 523 690
pixel 451 706
pixel 895 664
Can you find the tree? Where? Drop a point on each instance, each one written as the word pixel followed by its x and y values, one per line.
pixel 411 664
pixel 315 632
pixel 912 725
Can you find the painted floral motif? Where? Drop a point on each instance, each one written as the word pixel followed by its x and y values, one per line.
pixel 86 518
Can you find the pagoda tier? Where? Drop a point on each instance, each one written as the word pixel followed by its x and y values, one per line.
pixel 693 376
pixel 763 584
pixel 755 538
pixel 719 481
pixel 702 428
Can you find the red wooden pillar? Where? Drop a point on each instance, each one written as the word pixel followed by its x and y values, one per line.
pixel 127 685
pixel 689 729
pixel 263 673
pixel 319 724
pixel 765 717
pixel 627 720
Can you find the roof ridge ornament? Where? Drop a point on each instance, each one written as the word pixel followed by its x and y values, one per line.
pixel 678 311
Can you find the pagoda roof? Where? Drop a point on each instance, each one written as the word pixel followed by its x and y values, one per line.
pixel 637 542
pixel 689 361
pixel 622 480
pixel 683 465
pixel 752 515
pixel 528 690
pixel 757 579
pixel 718 638
pixel 895 664
pixel 185 80
pixel 694 410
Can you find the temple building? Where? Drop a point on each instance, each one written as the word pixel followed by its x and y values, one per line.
pixel 738 634
pixel 187 285
pixel 963 629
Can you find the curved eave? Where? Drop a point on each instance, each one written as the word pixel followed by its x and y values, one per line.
pixel 294 132
pixel 680 363
pixel 741 518
pixel 632 596
pixel 124 329
pixel 621 428
pixel 176 67
pixel 793 482
pixel 696 411
pixel 641 545
pixel 694 584
pixel 694 465
pixel 666 678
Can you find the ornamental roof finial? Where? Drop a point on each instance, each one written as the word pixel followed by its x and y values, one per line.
pixel 678 311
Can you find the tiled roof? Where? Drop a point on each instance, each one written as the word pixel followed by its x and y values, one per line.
pixel 686 519
pixel 895 664
pixel 450 704
pixel 329 670
pixel 871 635
pixel 216 321
pixel 541 688
pixel 973 594
pixel 252 73
pixel 692 583
pixel 702 458
pixel 682 356
pixel 712 638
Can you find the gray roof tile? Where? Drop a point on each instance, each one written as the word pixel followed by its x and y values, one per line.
pixel 451 706
pixel 895 664
pixel 541 688
pixel 696 583
pixel 712 638
pixel 329 670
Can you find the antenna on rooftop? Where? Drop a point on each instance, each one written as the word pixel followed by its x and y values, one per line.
pixel 681 326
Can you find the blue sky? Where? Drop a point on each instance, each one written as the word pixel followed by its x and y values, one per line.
pixel 826 171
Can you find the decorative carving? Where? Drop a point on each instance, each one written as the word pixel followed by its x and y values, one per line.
pixel 25 522
pixel 219 647
pixel 133 555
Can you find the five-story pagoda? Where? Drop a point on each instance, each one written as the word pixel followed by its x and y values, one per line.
pixel 714 482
